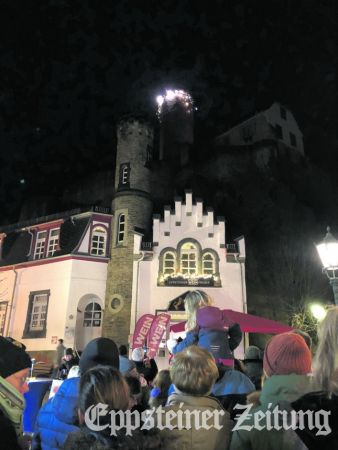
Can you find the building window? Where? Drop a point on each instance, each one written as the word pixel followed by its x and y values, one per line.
pixel 53 241
pixel 169 263
pixel 124 178
pixel 47 242
pixel 36 320
pixel 279 131
pixel 39 313
pixel 40 244
pixel 208 264
pixel 293 140
pixel 189 259
pixel 92 315
pixel 121 223
pixel 3 314
pixel 283 112
pixel 98 242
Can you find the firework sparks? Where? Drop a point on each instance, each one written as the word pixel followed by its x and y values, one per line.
pixel 171 97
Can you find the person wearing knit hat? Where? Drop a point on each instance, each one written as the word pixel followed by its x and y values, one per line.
pixel 287 353
pixel 287 366
pixel 14 370
pixel 58 417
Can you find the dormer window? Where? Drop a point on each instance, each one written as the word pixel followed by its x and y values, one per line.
pixel 53 241
pixel 40 244
pixel 98 242
pixel 47 242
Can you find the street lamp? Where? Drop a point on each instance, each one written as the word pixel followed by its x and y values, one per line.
pixel 328 253
pixel 318 311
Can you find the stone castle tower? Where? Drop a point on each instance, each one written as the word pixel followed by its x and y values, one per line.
pixel 137 183
pixel 132 210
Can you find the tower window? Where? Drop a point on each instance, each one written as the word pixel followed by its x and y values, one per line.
pixel 98 242
pixel 124 175
pixel 121 224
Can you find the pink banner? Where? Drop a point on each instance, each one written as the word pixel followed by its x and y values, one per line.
pixel 157 330
pixel 142 329
pixel 248 323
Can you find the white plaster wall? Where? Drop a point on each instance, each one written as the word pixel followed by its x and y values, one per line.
pixel 84 246
pixel 88 279
pixel 289 125
pixel 260 126
pixel 67 281
pixel 56 278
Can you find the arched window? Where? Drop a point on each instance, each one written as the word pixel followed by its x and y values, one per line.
pixel 98 242
pixel 208 264
pixel 189 259
pixel 121 228
pixel 92 315
pixel 169 262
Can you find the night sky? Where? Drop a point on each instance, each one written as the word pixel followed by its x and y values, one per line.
pixel 69 69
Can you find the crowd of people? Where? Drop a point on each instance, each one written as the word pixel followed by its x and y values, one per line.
pixel 283 398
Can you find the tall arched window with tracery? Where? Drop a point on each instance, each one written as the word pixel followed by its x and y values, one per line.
pixel 189 257
pixel 208 264
pixel 169 263
pixel 98 241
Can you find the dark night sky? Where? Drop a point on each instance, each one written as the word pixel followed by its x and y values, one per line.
pixel 70 68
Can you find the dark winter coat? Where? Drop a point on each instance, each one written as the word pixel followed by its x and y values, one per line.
pixel 57 418
pixel 8 437
pixel 214 332
pixel 316 401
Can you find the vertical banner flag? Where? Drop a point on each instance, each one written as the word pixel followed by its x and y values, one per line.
pixel 157 330
pixel 142 329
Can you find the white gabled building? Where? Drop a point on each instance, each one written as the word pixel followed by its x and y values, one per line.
pixel 276 123
pixel 53 279
pixel 188 251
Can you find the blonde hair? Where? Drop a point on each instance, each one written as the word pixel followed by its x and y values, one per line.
pixel 194 371
pixel 326 358
pixel 192 302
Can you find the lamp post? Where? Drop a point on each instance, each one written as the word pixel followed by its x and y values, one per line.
pixel 328 253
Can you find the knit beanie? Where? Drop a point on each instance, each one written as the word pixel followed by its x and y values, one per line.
pixel 253 352
pixel 99 351
pixel 13 358
pixel 137 354
pixel 287 353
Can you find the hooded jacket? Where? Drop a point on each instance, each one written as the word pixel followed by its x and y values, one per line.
pixel 196 438
pixel 58 417
pixel 215 333
pixel 278 390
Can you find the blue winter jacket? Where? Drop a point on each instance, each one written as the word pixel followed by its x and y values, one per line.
pixel 57 418
pixel 214 332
